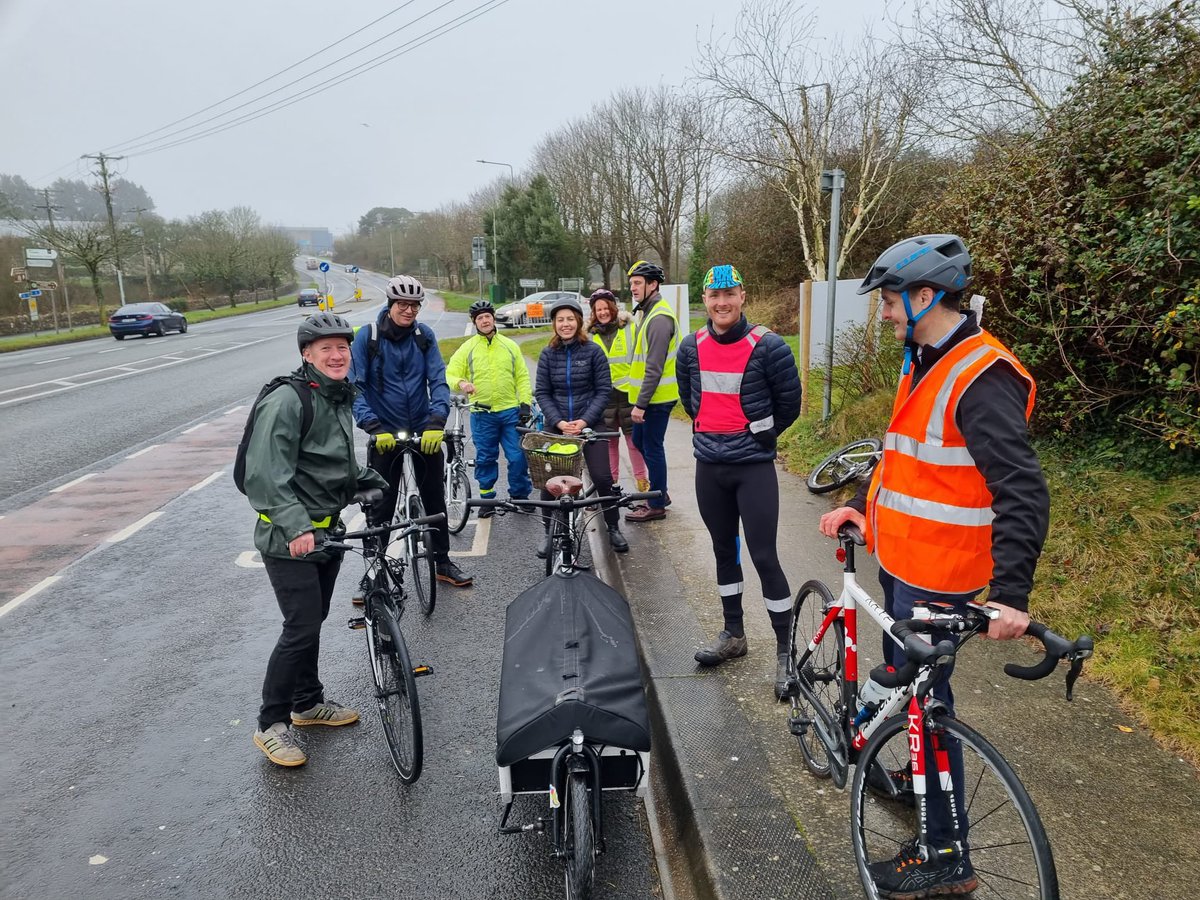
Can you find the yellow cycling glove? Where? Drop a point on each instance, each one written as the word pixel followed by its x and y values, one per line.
pixel 385 443
pixel 431 441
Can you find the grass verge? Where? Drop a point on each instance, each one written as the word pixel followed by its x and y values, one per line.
pixel 26 342
pixel 456 302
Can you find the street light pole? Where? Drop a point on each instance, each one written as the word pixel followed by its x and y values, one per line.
pixel 832 182
pixel 496 220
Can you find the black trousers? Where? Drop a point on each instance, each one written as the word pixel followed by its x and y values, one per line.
pixel 727 494
pixel 303 590
pixel 595 455
pixel 429 470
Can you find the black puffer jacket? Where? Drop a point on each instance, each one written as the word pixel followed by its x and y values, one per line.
pixel 573 382
pixel 770 387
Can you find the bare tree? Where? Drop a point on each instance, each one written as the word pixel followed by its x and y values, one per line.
pixel 89 243
pixel 790 114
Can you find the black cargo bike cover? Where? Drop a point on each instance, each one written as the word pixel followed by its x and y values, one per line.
pixel 569 662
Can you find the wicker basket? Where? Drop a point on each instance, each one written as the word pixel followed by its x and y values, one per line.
pixel 542 465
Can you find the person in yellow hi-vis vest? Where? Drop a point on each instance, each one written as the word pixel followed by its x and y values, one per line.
pixel 612 328
pixel 653 390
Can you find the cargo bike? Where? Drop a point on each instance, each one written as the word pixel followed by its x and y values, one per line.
pixel 572 720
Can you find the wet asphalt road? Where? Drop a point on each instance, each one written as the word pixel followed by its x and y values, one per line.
pixel 129 693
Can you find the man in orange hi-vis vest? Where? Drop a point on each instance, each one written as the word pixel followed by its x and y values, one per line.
pixel 958 503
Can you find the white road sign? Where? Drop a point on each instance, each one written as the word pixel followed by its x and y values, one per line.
pixel 41 254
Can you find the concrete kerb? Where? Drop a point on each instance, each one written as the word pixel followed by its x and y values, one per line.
pixel 733 835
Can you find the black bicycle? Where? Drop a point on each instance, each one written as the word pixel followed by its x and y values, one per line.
pixel 392 670
pixel 846 464
pixel 457 482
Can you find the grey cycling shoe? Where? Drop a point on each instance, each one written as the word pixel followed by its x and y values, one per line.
pixel 724 648
pixel 783 665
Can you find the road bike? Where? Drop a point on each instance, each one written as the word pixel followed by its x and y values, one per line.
pixel 572 720
pixel 846 464
pixel 457 481
pixel 392 671
pixel 420 565
pixel 903 740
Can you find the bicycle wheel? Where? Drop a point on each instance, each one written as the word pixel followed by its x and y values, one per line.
pixel 1006 844
pixel 844 465
pixel 557 530
pixel 396 693
pixel 578 839
pixel 817 693
pixel 458 492
pixel 420 569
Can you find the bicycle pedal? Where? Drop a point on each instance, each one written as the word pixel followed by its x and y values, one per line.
pixel 798 725
pixel 357 623
pixel 421 671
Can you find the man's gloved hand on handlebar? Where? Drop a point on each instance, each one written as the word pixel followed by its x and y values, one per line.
pixel 385 443
pixel 431 440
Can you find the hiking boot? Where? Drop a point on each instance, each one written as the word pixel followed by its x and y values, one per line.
pixel 783 665
pixel 450 573
pixel 364 587
pixel 645 514
pixel 908 877
pixel 279 744
pixel 616 540
pixel 326 713
pixel 892 784
pixel 486 512
pixel 724 648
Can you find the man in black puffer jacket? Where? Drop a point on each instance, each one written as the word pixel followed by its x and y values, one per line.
pixel 740 386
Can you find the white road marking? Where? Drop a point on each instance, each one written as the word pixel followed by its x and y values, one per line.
pixel 249 559
pixel 356 522
pixel 81 478
pixel 113 350
pixel 42 362
pixel 21 598
pixel 143 450
pixel 130 530
pixel 207 481
pixel 479 546
pixel 235 409
pixel 194 428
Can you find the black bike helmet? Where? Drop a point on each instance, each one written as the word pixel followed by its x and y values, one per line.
pixel 565 303
pixel 940 261
pixel 323 325
pixel 481 306
pixel 647 270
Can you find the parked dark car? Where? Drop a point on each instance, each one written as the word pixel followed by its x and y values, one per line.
pixel 308 297
pixel 145 318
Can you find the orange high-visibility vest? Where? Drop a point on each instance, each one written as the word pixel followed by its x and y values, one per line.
pixel 721 369
pixel 929 511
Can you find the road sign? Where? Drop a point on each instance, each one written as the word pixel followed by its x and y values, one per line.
pixel 354 270
pixel 33 313
pixel 570 284
pixel 17 273
pixel 26 296
pixel 324 267
pixel 35 263
pixel 358 293
pixel 50 285
pixel 479 252
pixel 532 283
pixel 41 254
pixel 35 293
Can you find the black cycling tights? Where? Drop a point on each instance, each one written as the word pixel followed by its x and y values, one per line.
pixel 727 494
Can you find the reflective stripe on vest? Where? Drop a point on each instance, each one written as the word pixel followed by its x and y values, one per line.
pixel 471 359
pixel 667 389
pixel 317 523
pixel 929 510
pixel 618 355
pixel 722 367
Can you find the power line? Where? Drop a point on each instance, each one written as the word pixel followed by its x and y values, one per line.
pixel 321 87
pixel 133 143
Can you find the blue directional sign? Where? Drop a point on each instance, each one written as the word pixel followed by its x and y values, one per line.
pixel 324 267
pixel 28 295
pixel 35 293
pixel 354 270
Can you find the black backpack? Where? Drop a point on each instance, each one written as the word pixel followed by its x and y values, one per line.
pixel 303 390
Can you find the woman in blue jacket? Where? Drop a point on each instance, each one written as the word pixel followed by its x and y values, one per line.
pixel 573 388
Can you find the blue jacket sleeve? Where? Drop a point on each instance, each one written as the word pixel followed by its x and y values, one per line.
pixel 544 393
pixel 685 366
pixel 602 384
pixel 435 377
pixel 363 414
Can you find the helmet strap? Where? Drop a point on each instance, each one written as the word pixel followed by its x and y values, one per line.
pixel 910 344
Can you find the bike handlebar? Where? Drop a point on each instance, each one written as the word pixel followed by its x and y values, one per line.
pixel 587 435
pixel 409 526
pixel 568 502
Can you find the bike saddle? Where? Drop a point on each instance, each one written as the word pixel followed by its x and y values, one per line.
pixel 564 485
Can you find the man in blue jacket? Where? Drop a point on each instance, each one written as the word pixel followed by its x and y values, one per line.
pixel 400 379
pixel 740 385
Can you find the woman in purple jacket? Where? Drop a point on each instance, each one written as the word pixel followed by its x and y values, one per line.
pixel 573 387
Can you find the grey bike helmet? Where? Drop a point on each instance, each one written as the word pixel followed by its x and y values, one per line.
pixel 404 287
pixel 323 325
pixel 565 303
pixel 938 260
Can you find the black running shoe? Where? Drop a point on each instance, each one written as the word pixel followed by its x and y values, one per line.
pixel 908 877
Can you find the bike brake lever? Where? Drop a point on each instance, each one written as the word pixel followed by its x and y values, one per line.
pixel 1083 649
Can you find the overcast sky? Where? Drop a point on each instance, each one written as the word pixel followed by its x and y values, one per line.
pixel 78 76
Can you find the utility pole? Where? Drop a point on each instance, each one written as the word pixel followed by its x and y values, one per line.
pixel 832 182
pixel 103 161
pixel 137 211
pixel 50 208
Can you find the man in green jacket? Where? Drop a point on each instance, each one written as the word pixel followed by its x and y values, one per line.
pixel 298 483
pixel 489 368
